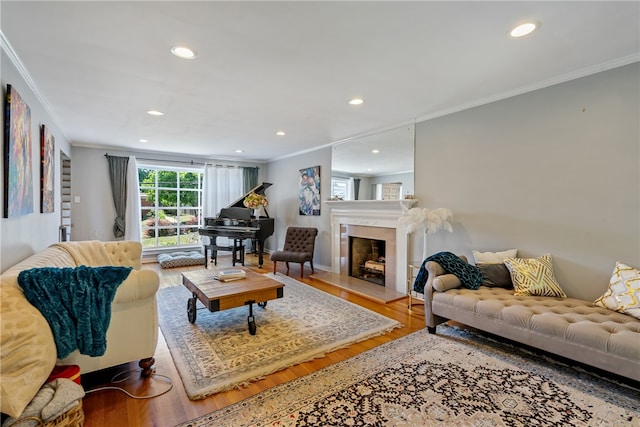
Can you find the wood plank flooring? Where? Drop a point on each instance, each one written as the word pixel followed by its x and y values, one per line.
pixel 111 407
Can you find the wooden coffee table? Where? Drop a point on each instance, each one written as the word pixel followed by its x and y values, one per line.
pixel 217 296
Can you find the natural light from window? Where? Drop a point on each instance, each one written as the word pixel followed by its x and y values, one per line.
pixel 170 206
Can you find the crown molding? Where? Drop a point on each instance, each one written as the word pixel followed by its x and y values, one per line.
pixel 609 65
pixel 22 70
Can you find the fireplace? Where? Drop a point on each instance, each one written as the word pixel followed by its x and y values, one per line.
pixel 367 259
pixel 367 240
pixel 370 220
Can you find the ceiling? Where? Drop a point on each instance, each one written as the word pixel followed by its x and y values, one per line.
pixel 293 66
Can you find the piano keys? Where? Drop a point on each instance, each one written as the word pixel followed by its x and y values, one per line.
pixel 236 222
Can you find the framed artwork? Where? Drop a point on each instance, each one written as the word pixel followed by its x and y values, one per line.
pixel 309 197
pixel 18 175
pixel 47 164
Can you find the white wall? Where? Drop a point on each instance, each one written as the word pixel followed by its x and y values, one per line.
pixel 22 236
pixel 553 171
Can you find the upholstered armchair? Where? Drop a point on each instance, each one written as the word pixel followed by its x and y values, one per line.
pixel 299 244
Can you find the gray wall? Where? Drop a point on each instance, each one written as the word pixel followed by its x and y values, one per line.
pixel 552 171
pixel 22 236
pixel 93 217
pixel 283 201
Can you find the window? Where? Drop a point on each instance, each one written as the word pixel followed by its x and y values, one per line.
pixel 341 188
pixel 170 206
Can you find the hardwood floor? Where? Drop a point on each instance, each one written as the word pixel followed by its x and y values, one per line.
pixel 111 407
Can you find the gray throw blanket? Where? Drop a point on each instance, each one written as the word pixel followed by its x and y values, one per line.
pixel 470 276
pixel 76 303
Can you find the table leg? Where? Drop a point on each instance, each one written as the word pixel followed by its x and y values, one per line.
pixel 191 309
pixel 250 319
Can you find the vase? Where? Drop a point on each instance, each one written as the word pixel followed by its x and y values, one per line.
pixel 258 212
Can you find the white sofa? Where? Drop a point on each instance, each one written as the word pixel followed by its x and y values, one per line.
pixel 569 327
pixel 28 351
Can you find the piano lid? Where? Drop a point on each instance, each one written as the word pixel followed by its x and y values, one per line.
pixel 258 189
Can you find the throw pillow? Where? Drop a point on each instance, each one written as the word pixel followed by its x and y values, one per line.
pixel 494 257
pixel 534 276
pixel 495 275
pixel 623 294
pixel 444 282
pixel 28 350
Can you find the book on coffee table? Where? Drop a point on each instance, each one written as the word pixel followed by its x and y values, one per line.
pixel 230 274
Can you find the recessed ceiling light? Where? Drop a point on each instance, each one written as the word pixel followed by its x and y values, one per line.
pixel 375 151
pixel 143 140
pixel 155 113
pixel 183 52
pixel 523 29
pixel 356 101
pixel 280 133
pixel 369 170
pixel 239 151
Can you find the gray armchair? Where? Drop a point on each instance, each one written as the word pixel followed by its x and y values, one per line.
pixel 299 244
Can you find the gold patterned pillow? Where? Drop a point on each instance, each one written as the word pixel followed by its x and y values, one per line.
pixel 534 276
pixel 623 294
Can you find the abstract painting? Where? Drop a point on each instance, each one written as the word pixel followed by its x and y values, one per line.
pixel 47 164
pixel 310 191
pixel 18 175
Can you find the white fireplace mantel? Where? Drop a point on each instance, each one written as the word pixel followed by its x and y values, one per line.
pixel 372 204
pixel 372 213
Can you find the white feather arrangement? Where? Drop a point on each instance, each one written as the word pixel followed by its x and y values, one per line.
pixel 433 220
pixel 413 218
pixel 438 219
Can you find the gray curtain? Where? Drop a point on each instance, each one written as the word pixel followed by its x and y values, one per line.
pixel 118 177
pixel 356 188
pixel 249 178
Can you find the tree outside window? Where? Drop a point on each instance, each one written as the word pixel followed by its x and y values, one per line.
pixel 171 206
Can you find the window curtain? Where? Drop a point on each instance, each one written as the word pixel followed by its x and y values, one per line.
pixel 250 178
pixel 222 186
pixel 118 179
pixel 132 218
pixel 356 188
pixel 350 189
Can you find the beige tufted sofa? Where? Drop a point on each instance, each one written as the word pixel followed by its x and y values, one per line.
pixel 568 327
pixel 28 351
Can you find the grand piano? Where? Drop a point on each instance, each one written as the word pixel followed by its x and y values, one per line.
pixel 236 222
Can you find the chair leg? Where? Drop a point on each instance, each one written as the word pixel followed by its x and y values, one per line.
pixel 287 264
pixel 312 270
pixel 274 266
pixel 302 270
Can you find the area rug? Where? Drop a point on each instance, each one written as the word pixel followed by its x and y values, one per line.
pixel 438 380
pixel 217 353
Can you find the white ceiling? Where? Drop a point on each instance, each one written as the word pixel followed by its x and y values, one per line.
pixel 267 66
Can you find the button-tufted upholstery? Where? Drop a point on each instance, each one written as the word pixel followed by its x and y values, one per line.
pixel 299 245
pixel 569 327
pixel 27 348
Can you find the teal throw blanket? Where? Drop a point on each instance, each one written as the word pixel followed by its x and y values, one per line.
pixel 470 276
pixel 76 302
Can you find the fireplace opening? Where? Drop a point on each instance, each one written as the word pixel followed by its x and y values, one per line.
pixel 367 259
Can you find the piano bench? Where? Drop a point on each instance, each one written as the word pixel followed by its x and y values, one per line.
pixel 237 252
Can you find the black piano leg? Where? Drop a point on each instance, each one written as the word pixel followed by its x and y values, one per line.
pixel 260 258
pixel 206 258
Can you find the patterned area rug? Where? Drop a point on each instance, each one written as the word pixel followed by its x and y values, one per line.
pixel 217 353
pixel 444 380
